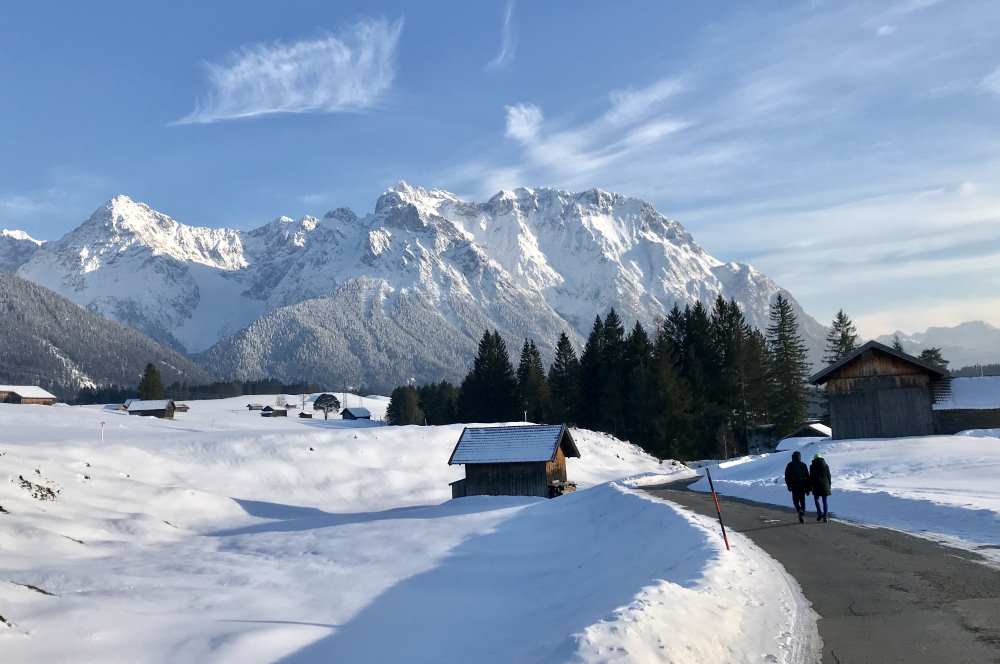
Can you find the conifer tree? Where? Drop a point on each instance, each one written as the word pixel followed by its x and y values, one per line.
pixel 404 407
pixel 667 406
pixel 933 356
pixel 789 367
pixel 564 379
pixel 842 338
pixel 637 371
pixel 612 371
pixel 589 404
pixel 897 345
pixel 439 402
pixel 532 386
pixel 151 387
pixel 489 391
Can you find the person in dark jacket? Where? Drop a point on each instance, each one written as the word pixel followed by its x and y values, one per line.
pixel 797 481
pixel 820 483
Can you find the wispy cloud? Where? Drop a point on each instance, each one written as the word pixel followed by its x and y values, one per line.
pixel 991 83
pixel 347 72
pixel 508 40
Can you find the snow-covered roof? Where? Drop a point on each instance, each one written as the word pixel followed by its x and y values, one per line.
pixel 28 391
pixel 157 404
pixel 512 444
pixel 974 393
pixel 357 412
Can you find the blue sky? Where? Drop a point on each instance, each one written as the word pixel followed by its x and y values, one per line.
pixel 849 150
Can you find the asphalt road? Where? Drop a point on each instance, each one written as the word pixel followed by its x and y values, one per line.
pixel 883 596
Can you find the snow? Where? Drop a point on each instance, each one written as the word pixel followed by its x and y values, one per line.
pixel 507 444
pixel 939 487
pixel 151 404
pixel 28 391
pixel 797 442
pixel 226 537
pixel 19 235
pixel 972 393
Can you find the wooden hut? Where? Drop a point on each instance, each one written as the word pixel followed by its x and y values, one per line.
pixel 513 461
pixel 26 395
pixel 271 411
pixel 879 392
pixel 356 414
pixel 162 408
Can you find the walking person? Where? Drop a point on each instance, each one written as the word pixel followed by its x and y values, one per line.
pixel 820 482
pixel 797 481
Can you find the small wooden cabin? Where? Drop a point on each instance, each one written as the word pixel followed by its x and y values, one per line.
pixel 162 408
pixel 26 395
pixel 513 461
pixel 879 392
pixel 356 414
pixel 271 411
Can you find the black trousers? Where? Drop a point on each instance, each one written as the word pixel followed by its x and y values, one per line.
pixel 799 500
pixel 825 510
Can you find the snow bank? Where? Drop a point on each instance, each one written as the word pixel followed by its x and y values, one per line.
pixel 226 537
pixel 943 487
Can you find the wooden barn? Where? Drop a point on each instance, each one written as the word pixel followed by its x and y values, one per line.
pixel 879 392
pixel 26 395
pixel 162 408
pixel 271 411
pixel 513 461
pixel 356 414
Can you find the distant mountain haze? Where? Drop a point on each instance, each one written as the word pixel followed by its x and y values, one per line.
pixel 965 344
pixel 402 292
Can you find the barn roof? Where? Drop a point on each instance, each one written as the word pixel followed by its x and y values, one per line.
pixel 822 376
pixel 28 391
pixel 517 444
pixel 357 412
pixel 139 405
pixel 811 430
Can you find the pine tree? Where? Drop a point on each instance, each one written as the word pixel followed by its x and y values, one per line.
pixel 637 372
pixel 589 404
pixel 404 407
pixel 842 338
pixel 439 402
pixel 666 410
pixel 933 356
pixel 789 367
pixel 564 379
pixel 489 391
pixel 151 387
pixel 532 386
pixel 612 371
pixel 897 345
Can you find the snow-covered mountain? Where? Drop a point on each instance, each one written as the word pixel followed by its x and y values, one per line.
pixel 965 344
pixel 402 292
pixel 16 248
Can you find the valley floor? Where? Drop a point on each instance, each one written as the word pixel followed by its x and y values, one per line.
pixel 226 537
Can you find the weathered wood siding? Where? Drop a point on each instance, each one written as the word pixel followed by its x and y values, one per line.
pixel 948 422
pixel 556 470
pixel 506 479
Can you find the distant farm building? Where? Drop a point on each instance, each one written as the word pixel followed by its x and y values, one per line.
pixel 971 403
pixel 879 392
pixel 513 461
pixel 271 411
pixel 162 408
pixel 182 407
pixel 255 406
pixel 356 414
pixel 810 432
pixel 26 395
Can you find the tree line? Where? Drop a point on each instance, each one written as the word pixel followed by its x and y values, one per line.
pixel 693 387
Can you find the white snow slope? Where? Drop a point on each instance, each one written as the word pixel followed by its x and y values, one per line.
pixel 939 487
pixel 226 537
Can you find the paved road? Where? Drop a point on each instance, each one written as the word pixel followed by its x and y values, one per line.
pixel 883 596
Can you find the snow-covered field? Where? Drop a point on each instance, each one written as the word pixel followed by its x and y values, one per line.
pixel 226 537
pixel 942 487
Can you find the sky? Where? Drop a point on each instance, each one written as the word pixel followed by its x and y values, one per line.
pixel 851 151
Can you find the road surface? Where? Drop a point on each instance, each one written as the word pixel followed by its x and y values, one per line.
pixel 883 596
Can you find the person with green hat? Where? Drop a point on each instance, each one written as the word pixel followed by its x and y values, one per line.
pixel 820 483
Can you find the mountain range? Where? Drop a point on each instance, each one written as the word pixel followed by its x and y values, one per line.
pixel 401 293
pixel 47 340
pixel 963 345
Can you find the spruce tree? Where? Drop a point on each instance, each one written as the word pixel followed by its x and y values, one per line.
pixel 151 387
pixel 489 391
pixel 666 410
pixel 589 404
pixel 637 371
pixel 532 386
pixel 564 379
pixel 842 338
pixel 789 367
pixel 612 371
pixel 933 356
pixel 404 407
pixel 897 345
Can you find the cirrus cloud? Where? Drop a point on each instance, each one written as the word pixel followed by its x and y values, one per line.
pixel 347 72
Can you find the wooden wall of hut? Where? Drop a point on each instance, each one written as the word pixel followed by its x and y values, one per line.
pixel 507 479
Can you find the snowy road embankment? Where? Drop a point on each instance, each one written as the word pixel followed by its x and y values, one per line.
pixel 226 537
pixel 942 487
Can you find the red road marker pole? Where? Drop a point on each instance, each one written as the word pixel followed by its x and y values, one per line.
pixel 718 508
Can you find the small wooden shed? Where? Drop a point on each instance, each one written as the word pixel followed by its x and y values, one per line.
pixel 26 395
pixel 162 408
pixel 356 414
pixel 271 411
pixel 513 461
pixel 879 392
